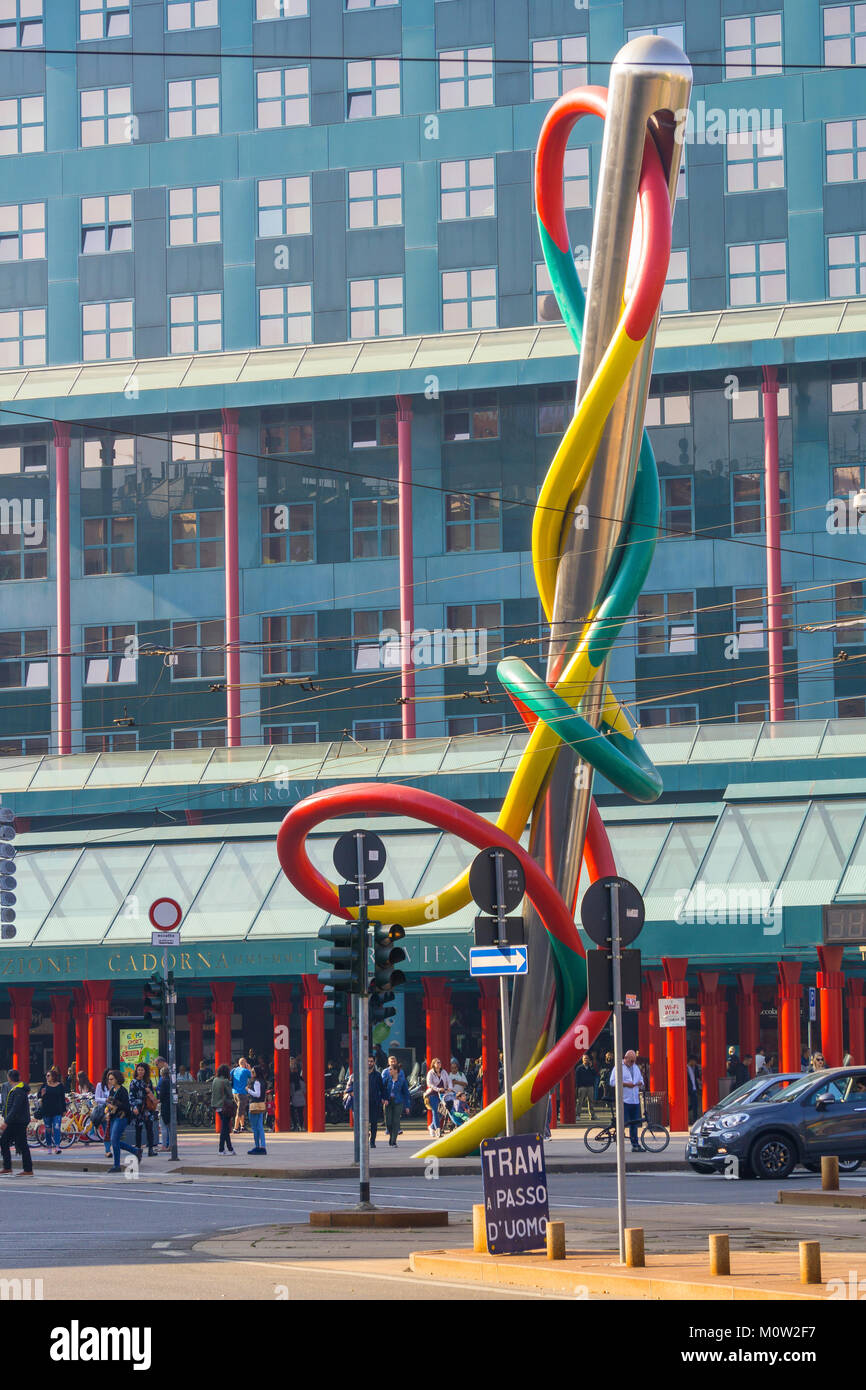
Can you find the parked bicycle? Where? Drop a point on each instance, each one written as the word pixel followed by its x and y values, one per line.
pixel 653 1137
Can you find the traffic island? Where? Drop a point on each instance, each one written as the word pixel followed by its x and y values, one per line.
pixel 795 1198
pixel 383 1217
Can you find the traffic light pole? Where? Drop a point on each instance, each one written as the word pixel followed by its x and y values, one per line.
pixel 362 1081
pixel 172 1061
pixel 616 962
pixel 504 1007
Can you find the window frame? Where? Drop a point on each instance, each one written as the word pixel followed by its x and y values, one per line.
pixel 466 188
pixel 109 545
pixel 472 521
pixel 451 81
pixel 198 540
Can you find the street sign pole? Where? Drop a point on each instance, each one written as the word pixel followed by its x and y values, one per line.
pixel 356 1132
pixel 172 1055
pixel 615 945
pixel 504 1006
pixel 362 1081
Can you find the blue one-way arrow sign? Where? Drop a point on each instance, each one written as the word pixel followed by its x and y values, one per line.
pixel 490 960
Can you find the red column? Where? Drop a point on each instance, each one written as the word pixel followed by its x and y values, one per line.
pixel 789 994
pixel 656 1041
pixel 233 633
pixel 60 1020
pixel 98 996
pixel 79 1013
pixel 21 999
pixel 772 527
pixel 712 1066
pixel 195 1023
pixel 676 987
pixel 489 1040
pixel 281 1009
pixel 407 573
pixel 856 1032
pixel 64 635
pixel 314 1003
pixel 437 1005
pixel 748 1010
pixel 223 994
pixel 831 983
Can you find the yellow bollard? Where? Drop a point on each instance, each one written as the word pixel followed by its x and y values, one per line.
pixel 479 1230
pixel 555 1239
pixel 720 1254
pixel 810 1262
pixel 829 1173
pixel 634 1247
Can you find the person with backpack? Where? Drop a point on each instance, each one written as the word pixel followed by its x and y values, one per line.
pixel 13 1126
pixel 223 1104
pixel 143 1104
pixel 120 1113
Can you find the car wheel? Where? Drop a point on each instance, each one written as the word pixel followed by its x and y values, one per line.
pixel 773 1156
pixel 700 1167
pixel 849 1165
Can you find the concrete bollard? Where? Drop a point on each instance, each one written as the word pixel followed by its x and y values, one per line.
pixel 555 1240
pixel 479 1230
pixel 829 1173
pixel 720 1254
pixel 635 1257
pixel 810 1262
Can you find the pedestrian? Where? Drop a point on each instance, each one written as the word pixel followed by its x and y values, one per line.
pixel 84 1085
pixel 396 1098
pixel 632 1085
pixel 241 1077
pixel 349 1096
pixel 735 1069
pixel 13 1126
pixel 97 1115
pixel 271 1111
pixel 143 1104
pixel 297 1094
pixel 438 1085
pixel 52 1098
pixel 118 1108
pixel 257 1105
pixel 818 1063
pixel 184 1074
pixel 163 1095
pixel 377 1099
pixel 204 1073
pixel 847 1060
pixel 458 1080
pixel 71 1076
pixel 222 1099
pixel 760 1062
pixel 772 1064
pixel 584 1081
pixel 694 1093
pixel 607 1082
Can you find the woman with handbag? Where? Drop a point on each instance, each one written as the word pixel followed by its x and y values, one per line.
pixel 117 1109
pixel 143 1104
pixel 52 1098
pixel 257 1108
pixel 223 1105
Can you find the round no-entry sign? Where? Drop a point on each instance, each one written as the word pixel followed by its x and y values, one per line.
pixel 165 914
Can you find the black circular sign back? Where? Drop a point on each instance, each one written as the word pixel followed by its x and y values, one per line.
pixel 595 911
pixel 482 880
pixel 346 855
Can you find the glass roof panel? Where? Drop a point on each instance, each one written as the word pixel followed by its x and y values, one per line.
pixel 16 774
pixel 9 384
pixel 505 345
pixel 480 753
pixel 554 341
pixel 843 737
pixel 177 768
pixel 100 883
pixel 444 350
pixel 208 370
pixel 387 355
pixel 725 743
pixel 70 770
pixel 349 759
pixel 686 330
pixel 103 377
pixel 822 851
pixel 801 319
pixel 636 848
pixel 329 359
pixel 274 364
pixel 174 871
pixel 41 875
pixel 739 325
pixel 120 769
pixel 235 765
pixel 854 317
pixel 413 758
pixel 795 738
pixel 160 373
pixel 675 871
pixel 751 845
pixel 285 913
pixel 298 760
pixel 233 892
pixel 670 744
pixel 53 381
pixel 853 883
pixel 408 857
pixel 516 749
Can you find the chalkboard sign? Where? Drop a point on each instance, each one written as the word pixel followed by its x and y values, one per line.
pixel 516 1208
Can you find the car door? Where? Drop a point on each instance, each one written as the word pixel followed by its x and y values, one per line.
pixel 827 1129
pixel 852 1115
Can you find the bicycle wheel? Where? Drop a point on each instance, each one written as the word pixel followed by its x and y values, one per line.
pixel 68 1132
pixel 598 1138
pixel 654 1138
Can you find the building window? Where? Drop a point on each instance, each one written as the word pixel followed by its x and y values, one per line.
pixel 669 402
pixel 109 545
pixel 469 622
pixel 22 338
pixel 284 206
pixel 848 397
pixel 848 479
pixel 111 655
pixel 677 514
pixel 376 730
pixel 753 45
pixel 850 605
pixel 370 650
pixel 851 709
pixel 24 544
pixel 374 527
pixel 576 184
pixel 282 97
pixel 469 299
pixel 281 9
pixel 22 125
pixel 22 232
pixel 755 160
pixel 554 408
pixel 194 215
pixel 468 724
pixel 747 502
pixel 665 716
pixel 376 307
pixel 675 298
pixel 285 315
pixel 108 451
pixel 376 197
pixel 212 736
pixel 106 224
pixel 199 649
pixel 290 733
pixel 103 19
pixel 197 539
pixel 373 88
pixel 470 415
pixel 193 107
pixel 106 330
pixel 465 78
pixel 750 618
pixel 106 116
pixel 467 188
pixel 845 149
pixel 844 35
pixel 120 742
pixel 546 305
pixel 747 402
pixel 24 660
pixel 472 521
pixel 557 66
pixel 24 458
pixel 675 32
pixel 373 424
pixel 289 645
pixel 286 430
pixel 24 747
pixel 846 265
pixel 191 14
pixel 21 24
pixel 369 4
pixel 666 625
pixel 289 534
pixel 755 711
pixel 196 322
pixel 757 273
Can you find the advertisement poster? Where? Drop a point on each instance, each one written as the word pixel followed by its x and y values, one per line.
pixel 137 1045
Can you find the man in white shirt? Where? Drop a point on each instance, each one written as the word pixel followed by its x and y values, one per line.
pixel 760 1061
pixel 632 1085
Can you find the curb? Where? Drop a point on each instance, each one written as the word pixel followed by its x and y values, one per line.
pixel 447 1167
pixel 384 1218
pixel 857 1200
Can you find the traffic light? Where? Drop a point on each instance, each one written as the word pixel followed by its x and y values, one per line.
pixel 7 875
pixel 387 955
pixel 154 1002
pixel 348 955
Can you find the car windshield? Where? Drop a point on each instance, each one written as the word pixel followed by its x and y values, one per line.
pixel 795 1089
pixel 739 1095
